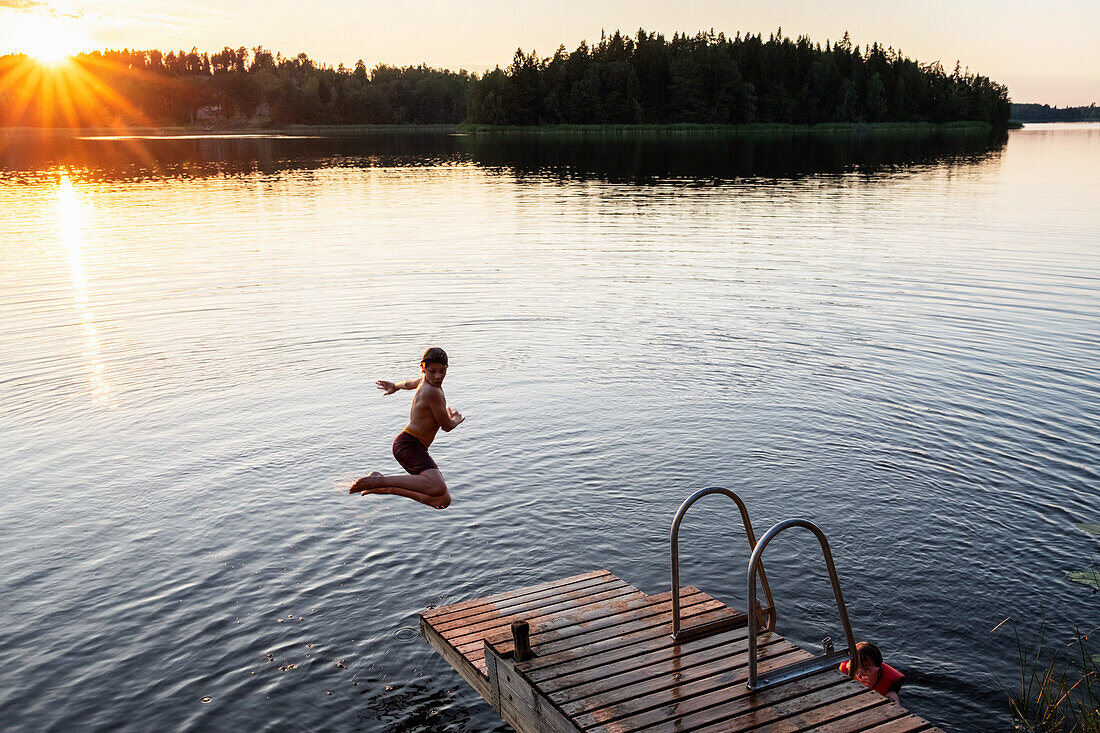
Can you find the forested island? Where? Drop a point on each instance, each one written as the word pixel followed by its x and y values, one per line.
pixel 706 78
pixel 1046 113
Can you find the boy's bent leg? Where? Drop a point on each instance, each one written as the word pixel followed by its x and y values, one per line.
pixel 427 487
pixel 429 482
pixel 435 502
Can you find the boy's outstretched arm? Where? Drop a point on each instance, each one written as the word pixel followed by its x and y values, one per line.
pixel 390 387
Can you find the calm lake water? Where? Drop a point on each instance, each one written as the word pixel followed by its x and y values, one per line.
pixel 899 341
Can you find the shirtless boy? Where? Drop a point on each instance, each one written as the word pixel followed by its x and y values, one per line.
pixel 429 413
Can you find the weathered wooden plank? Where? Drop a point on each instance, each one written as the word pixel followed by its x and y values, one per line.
pixel 470 672
pixel 655 692
pixel 874 717
pixel 528 604
pixel 681 690
pixel 555 661
pixel 696 602
pixel 908 724
pixel 561 641
pixel 521 704
pixel 654 665
pixel 602 626
pixel 499 633
pixel 549 586
pixel 544 604
pixel 472 666
pixel 493 697
pixel 789 716
pixel 524 604
pixel 564 625
pixel 461 635
pixel 656 647
pixel 734 699
pixel 503 643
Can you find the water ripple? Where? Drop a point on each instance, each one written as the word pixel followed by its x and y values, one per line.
pixel 906 356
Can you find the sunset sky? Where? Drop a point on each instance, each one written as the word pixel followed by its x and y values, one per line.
pixel 1044 52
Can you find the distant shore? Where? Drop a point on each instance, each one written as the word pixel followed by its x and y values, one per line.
pixel 232 128
pixel 777 129
pixel 571 131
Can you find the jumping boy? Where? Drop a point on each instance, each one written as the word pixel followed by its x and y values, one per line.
pixel 428 414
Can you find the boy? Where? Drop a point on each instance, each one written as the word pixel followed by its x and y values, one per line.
pixel 873 673
pixel 428 414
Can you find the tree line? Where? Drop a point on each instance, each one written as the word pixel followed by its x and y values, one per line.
pixel 645 79
pixel 137 87
pixel 709 78
pixel 1046 113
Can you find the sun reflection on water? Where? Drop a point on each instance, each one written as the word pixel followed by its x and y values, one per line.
pixel 70 216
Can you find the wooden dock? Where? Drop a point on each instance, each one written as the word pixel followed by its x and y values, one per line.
pixel 604 660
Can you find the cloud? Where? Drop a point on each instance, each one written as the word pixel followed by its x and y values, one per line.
pixel 23 5
pixel 38 7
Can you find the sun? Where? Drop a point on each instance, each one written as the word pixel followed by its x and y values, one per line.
pixel 50 41
pixel 43 85
pixel 49 55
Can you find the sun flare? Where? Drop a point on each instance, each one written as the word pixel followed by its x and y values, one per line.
pixel 49 56
pixel 51 41
pixel 72 93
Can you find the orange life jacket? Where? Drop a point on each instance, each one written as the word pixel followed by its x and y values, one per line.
pixel 887 676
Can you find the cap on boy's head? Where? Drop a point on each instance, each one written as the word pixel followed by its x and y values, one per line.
pixel 434 355
pixel 869 650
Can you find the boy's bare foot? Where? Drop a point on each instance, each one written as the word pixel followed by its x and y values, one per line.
pixel 364 483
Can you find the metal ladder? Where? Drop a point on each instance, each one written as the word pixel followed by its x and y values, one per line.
pixel 763 618
pixel 829 657
pixel 700 630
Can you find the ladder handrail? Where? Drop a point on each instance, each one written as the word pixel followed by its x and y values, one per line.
pixel 674 545
pixel 829 657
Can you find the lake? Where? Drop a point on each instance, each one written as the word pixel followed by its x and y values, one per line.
pixel 898 340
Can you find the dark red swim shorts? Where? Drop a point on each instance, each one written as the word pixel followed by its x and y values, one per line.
pixel 411 454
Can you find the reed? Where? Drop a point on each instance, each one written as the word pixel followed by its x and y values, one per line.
pixel 1058 689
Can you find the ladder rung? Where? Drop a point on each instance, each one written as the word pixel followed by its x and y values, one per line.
pixel 798 670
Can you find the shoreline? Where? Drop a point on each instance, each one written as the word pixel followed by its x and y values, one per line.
pixel 230 130
pixel 749 128
pixel 570 130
